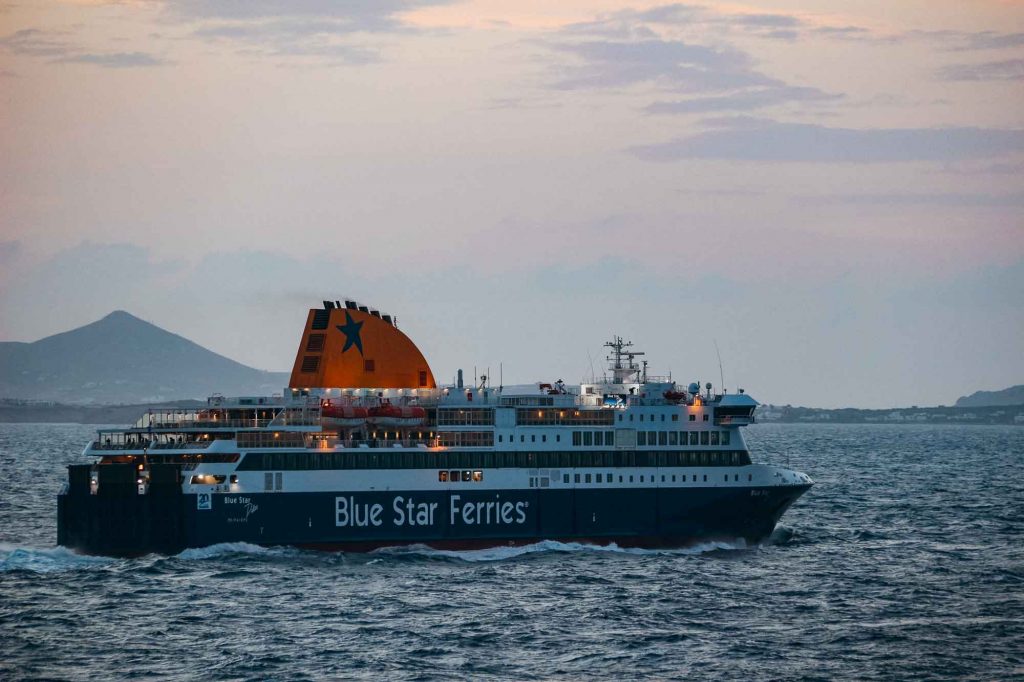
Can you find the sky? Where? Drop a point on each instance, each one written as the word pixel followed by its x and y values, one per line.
pixel 832 193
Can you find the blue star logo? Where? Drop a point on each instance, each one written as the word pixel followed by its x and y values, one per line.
pixel 351 330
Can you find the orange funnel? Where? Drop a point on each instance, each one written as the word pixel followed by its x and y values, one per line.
pixel 347 348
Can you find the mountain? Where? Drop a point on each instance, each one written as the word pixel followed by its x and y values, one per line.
pixel 122 359
pixel 1008 396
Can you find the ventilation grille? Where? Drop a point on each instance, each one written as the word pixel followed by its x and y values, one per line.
pixel 315 343
pixel 310 363
pixel 368 366
pixel 320 318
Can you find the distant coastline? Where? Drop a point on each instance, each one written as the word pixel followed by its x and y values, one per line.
pixel 13 411
pixel 992 414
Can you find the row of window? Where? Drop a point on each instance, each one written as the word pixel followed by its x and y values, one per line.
pixel 547 416
pixel 423 459
pixel 466 416
pixel 564 417
pixel 675 417
pixel 454 476
pixel 610 478
pixel 683 437
pixel 454 439
pixel 625 438
pixel 646 438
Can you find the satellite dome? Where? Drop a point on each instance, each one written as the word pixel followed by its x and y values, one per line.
pixel 694 387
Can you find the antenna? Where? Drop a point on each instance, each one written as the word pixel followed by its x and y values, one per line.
pixel 721 374
pixel 593 377
pixel 501 376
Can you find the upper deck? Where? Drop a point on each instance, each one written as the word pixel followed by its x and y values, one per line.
pixel 360 383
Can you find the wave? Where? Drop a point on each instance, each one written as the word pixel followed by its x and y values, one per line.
pixel 225 549
pixel 506 553
pixel 46 559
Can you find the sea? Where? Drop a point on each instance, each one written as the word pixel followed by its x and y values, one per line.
pixel 904 562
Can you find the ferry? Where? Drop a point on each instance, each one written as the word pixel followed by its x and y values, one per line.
pixel 364 450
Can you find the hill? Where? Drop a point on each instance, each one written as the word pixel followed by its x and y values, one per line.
pixel 122 359
pixel 1008 396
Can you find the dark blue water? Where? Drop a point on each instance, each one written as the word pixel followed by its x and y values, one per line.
pixel 906 561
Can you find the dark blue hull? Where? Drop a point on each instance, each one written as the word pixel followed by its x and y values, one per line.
pixel 133 524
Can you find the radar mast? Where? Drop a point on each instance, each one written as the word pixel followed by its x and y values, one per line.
pixel 624 368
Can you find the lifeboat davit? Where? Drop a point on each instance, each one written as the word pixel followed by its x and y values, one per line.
pixel 343 415
pixel 394 415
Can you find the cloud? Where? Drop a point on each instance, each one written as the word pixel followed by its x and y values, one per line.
pixel 743 101
pixel 946 199
pixel 33 42
pixel 366 12
pixel 298 28
pixel 991 40
pixel 965 41
pixel 9 251
pixel 678 49
pixel 765 20
pixel 776 26
pixel 801 142
pixel 1008 70
pixel 671 64
pixel 114 60
pixel 989 169
pixel 851 32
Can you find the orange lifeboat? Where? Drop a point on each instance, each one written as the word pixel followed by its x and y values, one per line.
pixel 393 415
pixel 343 415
